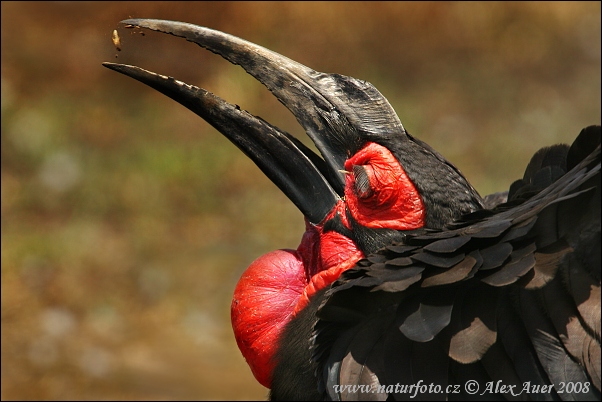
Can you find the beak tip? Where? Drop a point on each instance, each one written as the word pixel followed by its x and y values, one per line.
pixel 132 21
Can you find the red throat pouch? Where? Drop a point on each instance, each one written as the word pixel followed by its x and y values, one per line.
pixel 278 285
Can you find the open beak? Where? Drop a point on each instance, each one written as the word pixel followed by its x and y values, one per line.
pixel 338 113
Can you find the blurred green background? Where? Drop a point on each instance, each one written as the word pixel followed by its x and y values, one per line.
pixel 127 220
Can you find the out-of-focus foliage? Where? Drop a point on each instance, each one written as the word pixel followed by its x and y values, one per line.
pixel 126 220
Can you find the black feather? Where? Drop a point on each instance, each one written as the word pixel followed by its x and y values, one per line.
pixel 447 245
pixel 494 256
pixel 473 327
pixel 421 318
pixel 455 274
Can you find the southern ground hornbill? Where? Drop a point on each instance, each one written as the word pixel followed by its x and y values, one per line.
pixel 407 284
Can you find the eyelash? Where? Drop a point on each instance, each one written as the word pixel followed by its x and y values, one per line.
pixel 361 182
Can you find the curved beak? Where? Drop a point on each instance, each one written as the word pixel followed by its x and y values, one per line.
pixel 338 113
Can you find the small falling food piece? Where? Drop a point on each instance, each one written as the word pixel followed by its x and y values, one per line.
pixel 116 40
pixel 129 26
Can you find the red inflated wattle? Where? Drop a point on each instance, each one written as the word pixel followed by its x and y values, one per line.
pixel 338 253
pixel 278 285
pixel 263 303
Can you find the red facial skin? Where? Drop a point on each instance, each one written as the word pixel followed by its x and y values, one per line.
pixel 279 284
pixel 394 202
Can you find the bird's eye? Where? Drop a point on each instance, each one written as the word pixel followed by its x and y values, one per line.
pixel 362 181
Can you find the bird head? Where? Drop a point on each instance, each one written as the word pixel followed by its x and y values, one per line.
pixel 371 183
